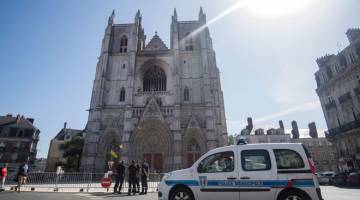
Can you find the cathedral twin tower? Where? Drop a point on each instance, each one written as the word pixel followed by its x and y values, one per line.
pixel 152 102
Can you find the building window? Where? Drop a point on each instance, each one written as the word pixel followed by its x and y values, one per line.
pixel 352 58
pixel 154 79
pixel 123 66
pixel 188 42
pixel 14 157
pixel 122 95
pixel 329 72
pixel 357 49
pixel 123 44
pixel 186 94
pixel 342 60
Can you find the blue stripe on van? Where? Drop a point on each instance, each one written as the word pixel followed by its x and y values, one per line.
pixel 244 183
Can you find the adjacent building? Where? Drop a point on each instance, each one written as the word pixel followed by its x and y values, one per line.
pixel 18 141
pixel 55 154
pixel 164 104
pixel 322 151
pixel 338 88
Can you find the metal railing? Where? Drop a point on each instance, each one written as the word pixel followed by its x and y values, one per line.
pixel 345 127
pixel 73 182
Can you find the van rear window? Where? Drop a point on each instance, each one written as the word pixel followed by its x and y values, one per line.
pixel 288 159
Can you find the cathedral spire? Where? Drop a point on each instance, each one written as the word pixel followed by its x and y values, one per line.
pixel 138 17
pixel 111 18
pixel 202 16
pixel 174 17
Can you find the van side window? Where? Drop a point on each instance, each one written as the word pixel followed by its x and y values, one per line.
pixel 288 159
pixel 218 162
pixel 255 160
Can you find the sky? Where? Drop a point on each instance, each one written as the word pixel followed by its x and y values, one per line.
pixel 49 50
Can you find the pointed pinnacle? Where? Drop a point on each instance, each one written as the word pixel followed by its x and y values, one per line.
pixel 175 13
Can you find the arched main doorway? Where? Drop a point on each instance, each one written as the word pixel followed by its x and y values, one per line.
pixel 151 141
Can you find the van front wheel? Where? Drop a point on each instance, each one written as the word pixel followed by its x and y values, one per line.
pixel 181 194
pixel 293 195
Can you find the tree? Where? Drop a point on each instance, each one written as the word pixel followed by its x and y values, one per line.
pixel 72 151
pixel 231 140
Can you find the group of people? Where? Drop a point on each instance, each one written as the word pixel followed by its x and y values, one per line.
pixel 136 173
pixel 20 178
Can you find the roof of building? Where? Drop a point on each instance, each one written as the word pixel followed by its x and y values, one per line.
pixel 156 43
pixel 20 121
pixel 68 131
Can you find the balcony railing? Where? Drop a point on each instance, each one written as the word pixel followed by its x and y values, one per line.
pixel 345 127
pixel 330 104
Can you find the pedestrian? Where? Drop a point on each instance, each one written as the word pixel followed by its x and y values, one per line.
pixel 137 176
pixel 3 175
pixel 144 177
pixel 120 175
pixel 22 175
pixel 132 178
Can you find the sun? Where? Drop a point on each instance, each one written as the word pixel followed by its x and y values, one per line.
pixel 276 7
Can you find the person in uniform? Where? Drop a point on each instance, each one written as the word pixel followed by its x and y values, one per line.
pixel 137 176
pixel 120 175
pixel 132 178
pixel 144 177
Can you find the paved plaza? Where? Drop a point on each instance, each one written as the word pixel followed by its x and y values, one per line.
pixel 329 193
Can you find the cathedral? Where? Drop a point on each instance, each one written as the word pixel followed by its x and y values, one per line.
pixel 153 102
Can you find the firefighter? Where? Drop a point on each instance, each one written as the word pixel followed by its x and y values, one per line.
pixel 120 175
pixel 144 177
pixel 132 178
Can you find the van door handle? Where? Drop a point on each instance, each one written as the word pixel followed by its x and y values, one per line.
pixel 231 178
pixel 245 177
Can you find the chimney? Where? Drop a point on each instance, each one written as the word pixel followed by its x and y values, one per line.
pixel 250 125
pixel 281 124
pixel 65 124
pixel 295 130
pixel 17 118
pixel 312 130
pixel 31 120
pixel 9 115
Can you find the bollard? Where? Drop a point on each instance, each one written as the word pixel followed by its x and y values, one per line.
pixel 32 189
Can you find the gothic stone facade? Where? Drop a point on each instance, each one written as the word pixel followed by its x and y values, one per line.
pixel 338 87
pixel 154 102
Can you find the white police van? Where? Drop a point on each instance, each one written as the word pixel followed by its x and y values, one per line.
pixel 281 171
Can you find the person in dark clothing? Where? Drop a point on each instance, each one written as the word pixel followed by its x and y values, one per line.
pixel 132 178
pixel 144 177
pixel 22 175
pixel 120 175
pixel 137 176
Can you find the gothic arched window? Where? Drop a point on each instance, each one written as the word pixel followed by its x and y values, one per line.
pixel 357 49
pixel 342 60
pixel 122 95
pixel 154 79
pixel 123 44
pixel 188 42
pixel 186 94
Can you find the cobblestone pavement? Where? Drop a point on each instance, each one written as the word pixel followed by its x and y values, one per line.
pixel 329 193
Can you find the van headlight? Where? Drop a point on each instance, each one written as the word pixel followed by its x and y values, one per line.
pixel 165 177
